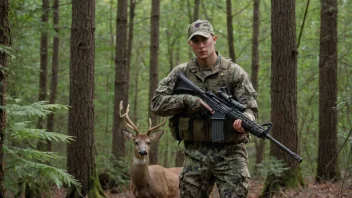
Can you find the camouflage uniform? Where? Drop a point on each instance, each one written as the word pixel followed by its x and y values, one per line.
pixel 207 162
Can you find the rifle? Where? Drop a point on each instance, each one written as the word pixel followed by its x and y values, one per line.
pixel 225 107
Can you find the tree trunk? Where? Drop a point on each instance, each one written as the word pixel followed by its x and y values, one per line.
pixel 54 69
pixel 283 94
pixel 196 10
pixel 153 66
pixel 81 152
pixel 5 41
pixel 130 32
pixel 129 53
pixel 193 18
pixel 259 143
pixel 43 73
pixel 121 79
pixel 136 85
pixel 327 153
pixel 230 30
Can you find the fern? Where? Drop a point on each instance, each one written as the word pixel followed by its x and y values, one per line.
pixel 19 131
pixel 31 154
pixel 26 164
pixel 41 109
pixel 271 166
pixel 7 50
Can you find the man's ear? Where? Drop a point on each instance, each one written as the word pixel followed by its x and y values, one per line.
pixel 215 38
pixel 127 134
pixel 156 135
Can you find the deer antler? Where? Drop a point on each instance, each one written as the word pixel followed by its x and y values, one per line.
pixel 154 127
pixel 127 119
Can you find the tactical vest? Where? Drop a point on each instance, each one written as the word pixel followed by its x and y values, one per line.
pixel 190 126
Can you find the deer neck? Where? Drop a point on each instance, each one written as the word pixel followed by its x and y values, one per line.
pixel 139 171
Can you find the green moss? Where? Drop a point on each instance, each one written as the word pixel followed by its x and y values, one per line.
pixel 275 184
pixel 95 189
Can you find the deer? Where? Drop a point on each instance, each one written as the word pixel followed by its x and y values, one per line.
pixel 148 180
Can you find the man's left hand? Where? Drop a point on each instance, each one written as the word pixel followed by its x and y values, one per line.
pixel 237 125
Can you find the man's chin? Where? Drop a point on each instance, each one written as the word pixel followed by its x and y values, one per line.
pixel 202 56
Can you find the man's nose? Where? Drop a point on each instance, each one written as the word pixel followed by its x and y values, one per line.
pixel 201 43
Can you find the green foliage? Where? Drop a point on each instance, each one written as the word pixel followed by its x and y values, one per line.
pixel 116 170
pixel 40 109
pixel 272 166
pixel 25 164
pixel 7 50
pixel 23 73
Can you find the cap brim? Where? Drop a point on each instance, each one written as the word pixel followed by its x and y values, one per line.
pixel 204 34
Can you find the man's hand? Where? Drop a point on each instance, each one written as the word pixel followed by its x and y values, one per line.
pixel 196 103
pixel 206 106
pixel 237 125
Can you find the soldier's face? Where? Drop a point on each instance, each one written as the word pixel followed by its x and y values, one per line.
pixel 203 47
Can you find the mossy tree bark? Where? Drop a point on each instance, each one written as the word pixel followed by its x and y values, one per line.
pixel 121 79
pixel 81 152
pixel 283 95
pixel 154 74
pixel 259 143
pixel 5 41
pixel 327 152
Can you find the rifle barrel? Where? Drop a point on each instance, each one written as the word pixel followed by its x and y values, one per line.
pixel 294 155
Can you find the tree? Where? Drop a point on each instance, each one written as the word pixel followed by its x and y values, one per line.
pixel 193 18
pixel 121 78
pixel 129 55
pixel 81 152
pixel 54 69
pixel 153 67
pixel 196 10
pixel 327 152
pixel 283 94
pixel 43 73
pixel 230 30
pixel 4 43
pixel 130 31
pixel 259 144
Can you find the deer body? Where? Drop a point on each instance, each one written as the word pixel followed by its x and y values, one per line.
pixel 155 181
pixel 149 181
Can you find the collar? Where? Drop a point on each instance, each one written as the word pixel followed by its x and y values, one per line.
pixel 195 68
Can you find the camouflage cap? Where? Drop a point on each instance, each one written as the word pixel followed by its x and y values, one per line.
pixel 200 27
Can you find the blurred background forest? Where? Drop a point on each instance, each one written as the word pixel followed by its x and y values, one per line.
pixel 24 66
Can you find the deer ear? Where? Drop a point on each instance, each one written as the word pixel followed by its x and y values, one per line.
pixel 156 135
pixel 127 134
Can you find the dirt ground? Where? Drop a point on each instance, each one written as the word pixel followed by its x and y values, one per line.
pixel 326 190
pixel 311 190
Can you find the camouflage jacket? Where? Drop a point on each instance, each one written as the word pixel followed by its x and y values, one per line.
pixel 166 103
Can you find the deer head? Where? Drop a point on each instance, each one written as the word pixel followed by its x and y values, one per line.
pixel 141 140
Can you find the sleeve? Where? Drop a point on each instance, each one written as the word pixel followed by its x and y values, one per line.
pixel 164 102
pixel 243 91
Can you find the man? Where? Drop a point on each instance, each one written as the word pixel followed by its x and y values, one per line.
pixel 207 162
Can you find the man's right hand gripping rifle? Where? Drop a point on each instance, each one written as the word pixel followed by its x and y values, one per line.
pixel 224 107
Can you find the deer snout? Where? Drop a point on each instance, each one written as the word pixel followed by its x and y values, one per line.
pixel 142 152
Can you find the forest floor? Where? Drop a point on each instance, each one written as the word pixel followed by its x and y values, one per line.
pixel 311 190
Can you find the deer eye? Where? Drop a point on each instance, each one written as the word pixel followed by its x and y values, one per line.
pixel 148 143
pixel 136 143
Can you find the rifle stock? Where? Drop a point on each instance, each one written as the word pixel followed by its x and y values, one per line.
pixel 227 108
